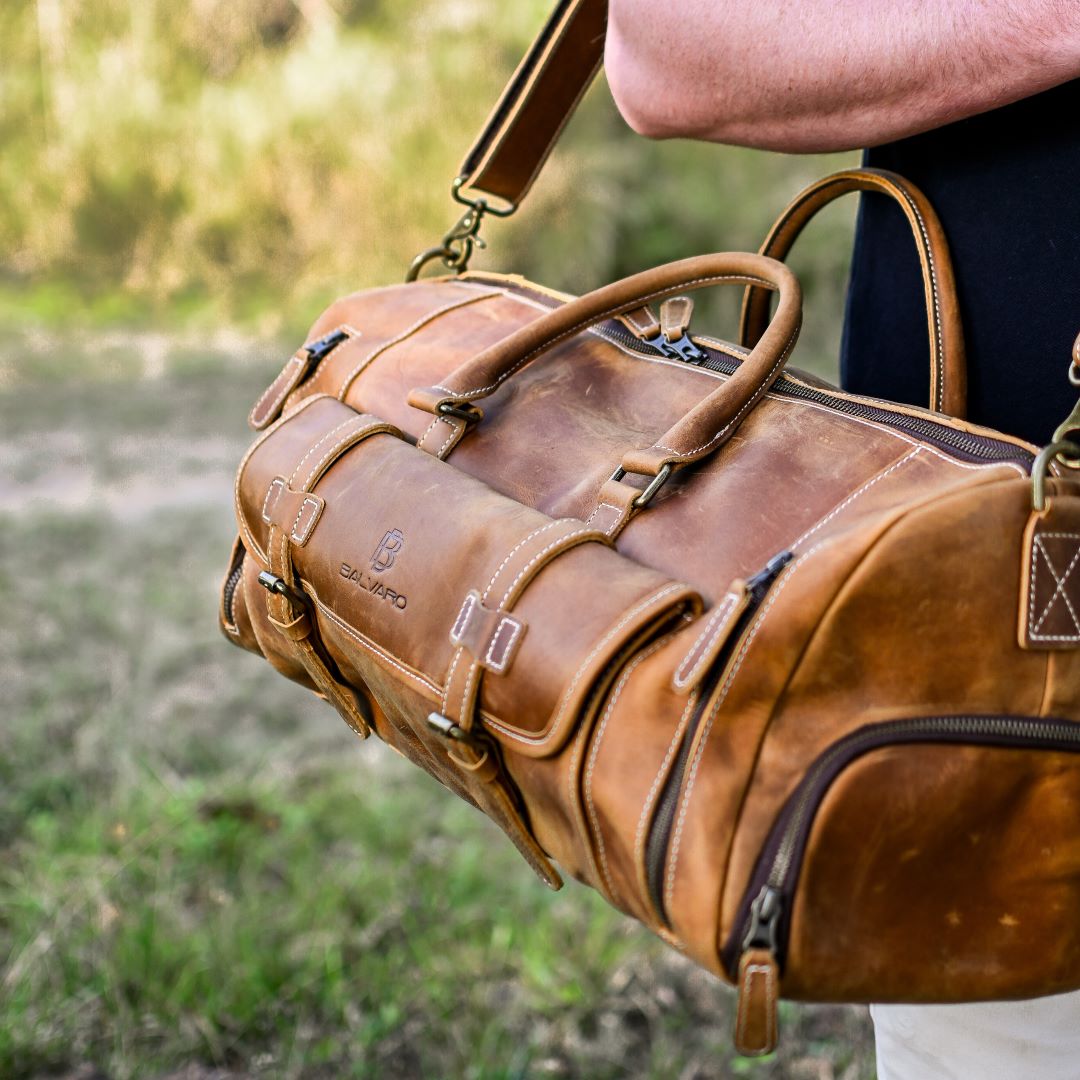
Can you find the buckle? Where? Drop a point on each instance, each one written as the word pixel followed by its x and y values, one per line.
pixel 654 485
pixel 471 414
pixel 446 727
pixel 272 583
pixel 1068 453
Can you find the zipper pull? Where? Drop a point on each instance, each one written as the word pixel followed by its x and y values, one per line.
pixel 672 339
pixel 759 977
pixel 760 582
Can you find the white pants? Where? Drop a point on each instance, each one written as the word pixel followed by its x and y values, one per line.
pixel 997 1040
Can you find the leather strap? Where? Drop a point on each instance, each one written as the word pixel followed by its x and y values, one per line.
pixel 948 372
pixel 709 424
pixel 537 102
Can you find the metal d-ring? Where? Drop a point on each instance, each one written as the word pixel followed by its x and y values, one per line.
pixel 654 485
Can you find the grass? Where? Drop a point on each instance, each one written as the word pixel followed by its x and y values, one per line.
pixel 204 874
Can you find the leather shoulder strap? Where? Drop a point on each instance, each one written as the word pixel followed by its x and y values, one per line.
pixel 537 102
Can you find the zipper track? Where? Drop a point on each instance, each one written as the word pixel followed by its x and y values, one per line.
pixel 229 590
pixel 964 445
pixel 659 839
pixel 771 886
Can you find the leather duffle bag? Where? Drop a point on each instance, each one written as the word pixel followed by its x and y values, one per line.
pixel 792 676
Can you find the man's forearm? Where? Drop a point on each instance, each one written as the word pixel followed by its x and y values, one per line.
pixel 811 75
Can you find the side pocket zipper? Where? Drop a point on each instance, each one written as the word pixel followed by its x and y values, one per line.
pixel 759 939
pixel 659 841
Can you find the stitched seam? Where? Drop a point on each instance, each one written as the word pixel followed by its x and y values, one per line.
pixel 721 615
pixel 408 332
pixel 628 316
pixel 774 595
pixel 750 403
pixel 590 320
pixel 1059 589
pixel 464 615
pixel 299 514
pixel 839 508
pixel 758 970
pixel 598 508
pixel 676 740
pixel 594 752
pixel 320 442
pixel 569 692
pixel 450 679
pixel 449 438
pixel 257 416
pixel 515 549
pixel 499 665
pixel 538 557
pixel 241 517
pixel 374 649
pixel 892 185
pixel 427 431
pixel 279 484
pixel 343 444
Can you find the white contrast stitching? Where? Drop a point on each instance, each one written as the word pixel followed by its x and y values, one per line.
pixel 256 415
pixel 676 740
pixel 499 666
pixel 408 332
pixel 464 615
pixel 594 751
pixel 770 995
pixel 599 507
pixel 589 320
pixel 1059 589
pixel 839 508
pixel 278 483
pixel 569 692
pixel 450 679
pixel 565 538
pixel 516 548
pixel 749 404
pixel 716 623
pixel 773 596
pixel 306 532
pixel 319 442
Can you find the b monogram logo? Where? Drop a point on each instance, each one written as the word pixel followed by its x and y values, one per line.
pixel 384 555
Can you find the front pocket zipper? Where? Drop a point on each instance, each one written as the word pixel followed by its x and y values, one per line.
pixel 659 841
pixel 763 922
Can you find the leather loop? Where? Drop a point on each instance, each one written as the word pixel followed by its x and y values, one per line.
pixel 948 372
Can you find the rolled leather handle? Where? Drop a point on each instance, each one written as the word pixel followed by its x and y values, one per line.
pixel 948 370
pixel 710 423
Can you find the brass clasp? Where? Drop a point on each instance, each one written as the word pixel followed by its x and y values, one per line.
pixel 457 246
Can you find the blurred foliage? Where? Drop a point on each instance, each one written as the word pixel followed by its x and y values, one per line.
pixel 245 161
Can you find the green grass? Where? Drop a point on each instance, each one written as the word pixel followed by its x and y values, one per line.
pixel 201 868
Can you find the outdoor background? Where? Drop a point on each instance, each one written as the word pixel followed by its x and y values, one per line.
pixel 202 873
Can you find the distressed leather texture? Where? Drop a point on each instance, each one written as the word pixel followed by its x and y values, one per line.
pixel 788 675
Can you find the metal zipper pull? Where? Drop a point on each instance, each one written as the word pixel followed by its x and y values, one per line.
pixel 756 1020
pixel 673 340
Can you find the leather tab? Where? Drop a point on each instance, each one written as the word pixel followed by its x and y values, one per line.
pixel 491 636
pixel 675 314
pixel 759 991
pixel 711 640
pixel 641 322
pixel 268 408
pixel 1050 576
pixel 295 513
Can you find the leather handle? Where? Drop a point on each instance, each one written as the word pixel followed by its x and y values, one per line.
pixel 710 423
pixel 948 371
pixel 538 101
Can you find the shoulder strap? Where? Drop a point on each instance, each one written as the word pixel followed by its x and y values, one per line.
pixel 537 102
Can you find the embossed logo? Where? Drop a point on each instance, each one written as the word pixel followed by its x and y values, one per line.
pixel 384 555
pixel 373 586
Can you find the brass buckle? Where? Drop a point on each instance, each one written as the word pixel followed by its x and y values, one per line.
pixel 654 485
pixel 457 246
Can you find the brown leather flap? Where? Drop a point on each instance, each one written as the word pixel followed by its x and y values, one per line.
pixel 427 569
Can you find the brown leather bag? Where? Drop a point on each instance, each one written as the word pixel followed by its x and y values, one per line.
pixel 790 675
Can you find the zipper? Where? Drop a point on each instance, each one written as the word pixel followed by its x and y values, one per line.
pixel 659 839
pixel 963 445
pixel 762 925
pixel 229 590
